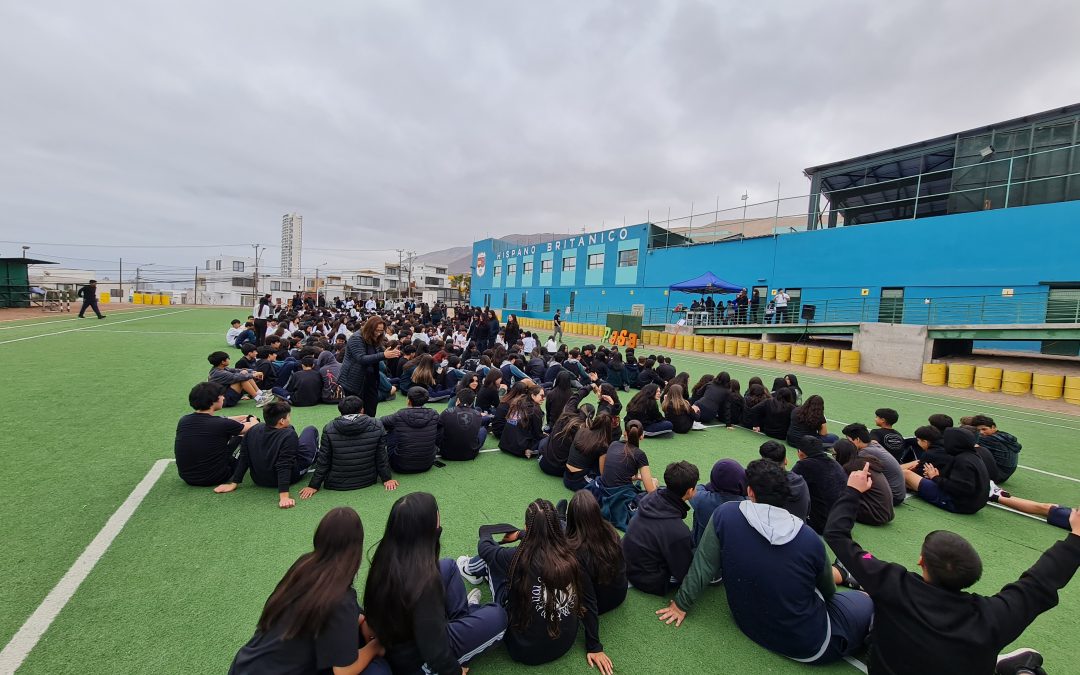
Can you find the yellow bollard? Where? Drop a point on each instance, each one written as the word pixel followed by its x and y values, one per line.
pixel 680 340
pixel 718 345
pixel 743 347
pixel 768 351
pixel 1072 390
pixel 731 347
pixel 798 354
pixel 699 343
pixel 935 374
pixel 830 359
pixel 756 349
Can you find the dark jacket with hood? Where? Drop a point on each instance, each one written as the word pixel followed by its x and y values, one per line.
pixel 956 631
pixel 658 544
pixel 460 432
pixel 824 477
pixel 361 364
pixel 522 432
pixel 352 454
pixel 616 374
pixel 1005 449
pixel 417 434
pixel 966 481
pixel 773 417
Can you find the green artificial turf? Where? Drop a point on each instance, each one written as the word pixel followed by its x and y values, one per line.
pixel 93 406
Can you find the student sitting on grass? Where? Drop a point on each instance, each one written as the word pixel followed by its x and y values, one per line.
pixel 234 332
pixel 555 448
pixel 678 410
pixel 305 386
pixel 412 434
pixel 1002 445
pixel 598 548
pixel 246 334
pixel 235 382
pixel 545 591
pixel 808 419
pixel 352 452
pixel 727 483
pixel 416 602
pixel 824 478
pixel 876 505
pixel 658 545
pixel 205 443
pixel 266 365
pixel 250 357
pixel 926 622
pixel 961 487
pixel 885 435
pixel 645 408
pixel 623 465
pixel 587 453
pixel 524 428
pixel 798 504
pixel 884 460
pixel 309 623
pixel 772 416
pixel 780 587
pixel 274 454
pixel 463 430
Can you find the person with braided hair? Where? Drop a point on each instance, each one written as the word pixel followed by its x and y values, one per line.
pixel 544 589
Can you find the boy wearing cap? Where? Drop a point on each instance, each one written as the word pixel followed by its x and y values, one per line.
pixel 412 434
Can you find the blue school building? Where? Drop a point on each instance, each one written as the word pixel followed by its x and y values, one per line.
pixel 980 227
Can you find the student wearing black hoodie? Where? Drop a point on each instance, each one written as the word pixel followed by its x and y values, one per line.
pixel 926 622
pixel 412 434
pixel 658 545
pixel 781 591
pixel 524 428
pixel 962 487
pixel 824 477
pixel 463 430
pixel 772 416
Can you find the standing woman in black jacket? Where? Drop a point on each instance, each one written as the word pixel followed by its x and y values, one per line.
pixel 360 370
pixel 493 327
pixel 512 332
pixel 416 602
pixel 309 623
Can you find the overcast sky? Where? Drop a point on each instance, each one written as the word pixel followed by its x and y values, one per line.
pixel 423 125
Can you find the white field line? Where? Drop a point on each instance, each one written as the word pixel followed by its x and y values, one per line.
pixel 97 325
pixel 152 332
pixel 31 631
pixel 1008 411
pixel 856 662
pixel 49 323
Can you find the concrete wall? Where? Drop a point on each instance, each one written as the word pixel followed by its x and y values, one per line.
pixel 895 350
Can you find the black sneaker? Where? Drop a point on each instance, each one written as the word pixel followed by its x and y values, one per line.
pixel 561 509
pixel 1020 661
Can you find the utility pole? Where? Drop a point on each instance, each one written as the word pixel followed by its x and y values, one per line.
pixel 121 279
pixel 400 251
pixel 412 254
pixel 196 284
pixel 255 280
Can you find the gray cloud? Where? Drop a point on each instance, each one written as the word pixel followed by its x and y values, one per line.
pixel 426 125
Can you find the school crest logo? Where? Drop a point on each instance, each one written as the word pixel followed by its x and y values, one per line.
pixel 481 264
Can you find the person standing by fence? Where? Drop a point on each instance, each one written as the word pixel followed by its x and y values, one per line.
pixel 556 324
pixel 88 293
pixel 260 316
pixel 781 301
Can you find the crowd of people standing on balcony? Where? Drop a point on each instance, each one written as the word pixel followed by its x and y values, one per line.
pixel 744 308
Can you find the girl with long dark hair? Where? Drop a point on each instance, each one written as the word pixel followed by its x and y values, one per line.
pixel 699 388
pixel 808 419
pixel 524 428
pixel 772 416
pixel 712 401
pixel 487 399
pixel 736 404
pixel 545 591
pixel 598 548
pixel 309 623
pixel 645 407
pixel 555 447
pixel 793 383
pixel 755 394
pixel 260 317
pixel 558 395
pixel 586 458
pixel 727 483
pixel 360 369
pixel 417 605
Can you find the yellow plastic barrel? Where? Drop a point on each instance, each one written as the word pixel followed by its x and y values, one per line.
pixel 136 298
pixel 1016 382
pixel 680 340
pixel 104 298
pixel 814 356
pixel 987 379
pixel 742 347
pixel 830 359
pixel 798 354
pixel 708 345
pixel 598 331
pixel 768 351
pixel 961 375
pixel 755 350
pixel 783 352
pixel 699 343
pixel 731 347
pixel 156 298
pixel 935 374
pixel 718 345
pixel 849 361
pixel 1047 387
pixel 1072 390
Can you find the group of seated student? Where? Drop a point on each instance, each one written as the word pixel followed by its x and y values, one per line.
pixel 757 530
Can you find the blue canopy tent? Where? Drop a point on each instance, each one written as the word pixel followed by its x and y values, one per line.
pixel 706 284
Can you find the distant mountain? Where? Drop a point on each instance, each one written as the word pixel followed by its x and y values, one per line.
pixel 458 259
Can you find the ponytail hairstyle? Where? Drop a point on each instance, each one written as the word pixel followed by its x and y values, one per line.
pixel 634 432
pixel 544 570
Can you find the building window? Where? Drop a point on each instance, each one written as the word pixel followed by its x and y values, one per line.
pixel 207 264
pixel 498 271
pixel 524 301
pixel 511 269
pixel 596 261
pixel 275 285
pixel 527 267
pixel 243 282
pixel 569 264
pixel 432 281
pixel 628 258
pixel 545 267
pixel 547 301
pixel 573 296
pixel 237 266
pixel 391 283
pixel 440 270
pixel 286 286
pixel 217 265
pixel 504 301
pixel 117 292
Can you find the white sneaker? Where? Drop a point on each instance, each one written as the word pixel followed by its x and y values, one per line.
pixel 264 398
pixel 462 562
pixel 997 491
pixel 698 426
pixel 474 596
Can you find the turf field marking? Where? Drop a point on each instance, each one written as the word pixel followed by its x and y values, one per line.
pixel 27 638
pixel 76 330
pixel 856 662
pixel 49 323
pixel 151 332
